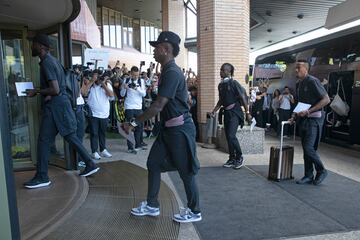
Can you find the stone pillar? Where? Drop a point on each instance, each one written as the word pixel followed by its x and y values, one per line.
pixel 223 36
pixel 173 19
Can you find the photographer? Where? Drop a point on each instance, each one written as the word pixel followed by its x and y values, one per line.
pixel 133 89
pixel 100 92
pixel 285 99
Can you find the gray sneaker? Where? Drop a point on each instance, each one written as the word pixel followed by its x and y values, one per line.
pixel 187 216
pixel 145 210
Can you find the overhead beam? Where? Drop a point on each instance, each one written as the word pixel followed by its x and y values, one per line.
pixel 343 13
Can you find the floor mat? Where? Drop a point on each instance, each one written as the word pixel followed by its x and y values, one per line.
pixel 242 204
pixel 113 191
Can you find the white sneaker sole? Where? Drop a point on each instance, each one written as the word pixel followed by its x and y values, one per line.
pixel 145 214
pixel 38 185
pixel 187 220
pixel 106 156
pixel 91 172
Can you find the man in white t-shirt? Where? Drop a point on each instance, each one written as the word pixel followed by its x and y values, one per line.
pixel 100 93
pixel 134 90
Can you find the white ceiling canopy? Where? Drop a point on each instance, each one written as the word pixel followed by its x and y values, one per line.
pixel 36 14
pixel 273 21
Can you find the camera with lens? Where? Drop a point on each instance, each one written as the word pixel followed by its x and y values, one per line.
pixel 132 85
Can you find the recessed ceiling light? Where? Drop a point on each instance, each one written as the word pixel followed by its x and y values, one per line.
pixel 269 30
pixel 137 10
pixel 252 48
pixel 268 13
pixel 270 41
pixel 300 16
pixel 294 32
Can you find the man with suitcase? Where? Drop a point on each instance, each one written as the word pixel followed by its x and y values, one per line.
pixel 310 122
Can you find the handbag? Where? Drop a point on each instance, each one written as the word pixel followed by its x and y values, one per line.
pixel 339 106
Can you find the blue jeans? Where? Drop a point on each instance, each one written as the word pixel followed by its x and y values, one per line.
pixel 310 132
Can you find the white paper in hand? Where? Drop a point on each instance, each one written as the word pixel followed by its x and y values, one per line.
pixel 22 86
pixel 301 107
pixel 253 123
pixel 130 137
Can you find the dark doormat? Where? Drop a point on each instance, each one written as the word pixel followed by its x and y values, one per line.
pixel 105 214
pixel 241 204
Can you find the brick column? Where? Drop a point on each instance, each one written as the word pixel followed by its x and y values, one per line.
pixel 173 19
pixel 223 36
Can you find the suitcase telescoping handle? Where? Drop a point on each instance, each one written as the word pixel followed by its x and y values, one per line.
pixel 281 145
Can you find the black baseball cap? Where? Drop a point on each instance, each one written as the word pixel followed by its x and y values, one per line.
pixel 42 38
pixel 167 36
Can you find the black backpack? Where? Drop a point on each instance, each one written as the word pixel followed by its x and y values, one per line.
pixel 72 87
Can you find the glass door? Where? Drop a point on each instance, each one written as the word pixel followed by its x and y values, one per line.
pixel 12 57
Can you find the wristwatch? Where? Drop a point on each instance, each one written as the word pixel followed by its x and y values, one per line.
pixel 133 122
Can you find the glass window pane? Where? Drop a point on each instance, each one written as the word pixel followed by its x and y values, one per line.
pixel 14 71
pixel 136 35
pixel 130 33
pixel 152 37
pixel 98 16
pixel 112 29
pixel 106 27
pixel 143 38
pixel 191 28
pixel 148 50
pixel 118 31
pixel 125 29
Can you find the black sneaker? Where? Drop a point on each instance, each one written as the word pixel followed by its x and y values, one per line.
pixel 89 171
pixel 238 163
pixel 37 183
pixel 229 163
pixel 143 144
pixel 320 177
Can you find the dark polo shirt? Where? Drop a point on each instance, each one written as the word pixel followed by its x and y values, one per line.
pixel 310 90
pixel 59 107
pixel 172 85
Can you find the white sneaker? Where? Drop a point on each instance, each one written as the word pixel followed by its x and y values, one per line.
pixel 145 210
pixel 95 156
pixel 106 154
pixel 186 216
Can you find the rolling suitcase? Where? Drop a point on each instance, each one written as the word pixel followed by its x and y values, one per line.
pixel 281 159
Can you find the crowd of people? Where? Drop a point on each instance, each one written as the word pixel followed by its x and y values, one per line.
pixel 139 100
pixel 270 110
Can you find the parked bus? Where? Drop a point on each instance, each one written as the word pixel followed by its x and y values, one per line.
pixel 335 61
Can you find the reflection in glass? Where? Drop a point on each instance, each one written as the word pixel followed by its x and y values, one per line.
pixel 13 63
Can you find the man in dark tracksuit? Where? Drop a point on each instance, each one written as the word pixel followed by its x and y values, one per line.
pixel 232 96
pixel 175 146
pixel 310 122
pixel 57 114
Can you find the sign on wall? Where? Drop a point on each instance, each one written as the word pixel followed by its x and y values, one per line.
pixel 99 57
